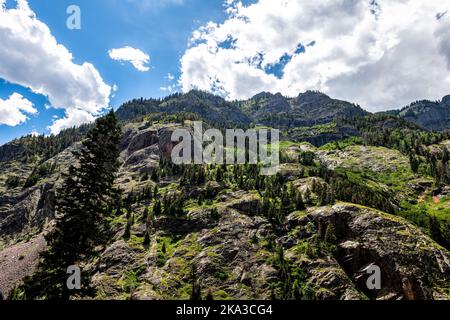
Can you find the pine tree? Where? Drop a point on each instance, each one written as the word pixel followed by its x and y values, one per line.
pixel 127 232
pixel 209 296
pixel 146 238
pixel 145 214
pixel 157 210
pixel 81 208
pixel 196 294
pixel 155 176
pixel 414 162
pixel 299 204
pixel 330 234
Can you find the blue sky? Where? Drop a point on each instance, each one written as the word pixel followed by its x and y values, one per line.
pixel 161 29
pixel 52 77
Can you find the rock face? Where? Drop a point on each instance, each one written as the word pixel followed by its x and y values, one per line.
pixel 142 146
pixel 307 109
pixel 143 140
pixel 228 262
pixel 23 213
pixel 234 259
pixel 412 265
pixel 428 114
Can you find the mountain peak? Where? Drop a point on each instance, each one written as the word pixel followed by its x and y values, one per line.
pixel 262 95
pixel 313 93
pixel 432 115
pixel 446 100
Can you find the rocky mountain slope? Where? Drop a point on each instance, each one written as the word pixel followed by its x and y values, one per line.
pixel 428 114
pixel 308 109
pixel 233 237
pixel 214 109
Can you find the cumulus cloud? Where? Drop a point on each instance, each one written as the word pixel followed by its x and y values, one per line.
pixel 31 57
pixel 136 57
pixel 379 53
pixel 73 118
pixel 14 110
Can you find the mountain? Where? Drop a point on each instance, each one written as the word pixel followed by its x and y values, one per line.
pixel 312 110
pixel 213 109
pixel 428 114
pixel 371 190
pixel 307 109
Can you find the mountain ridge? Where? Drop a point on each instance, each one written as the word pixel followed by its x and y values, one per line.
pixel 307 109
pixel 431 115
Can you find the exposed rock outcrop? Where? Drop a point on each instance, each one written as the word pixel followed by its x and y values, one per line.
pixel 412 265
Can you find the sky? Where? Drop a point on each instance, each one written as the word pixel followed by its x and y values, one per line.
pixel 65 62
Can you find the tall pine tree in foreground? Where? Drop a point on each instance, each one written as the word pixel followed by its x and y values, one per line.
pixel 82 203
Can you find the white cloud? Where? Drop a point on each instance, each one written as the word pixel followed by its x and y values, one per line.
pixel 14 110
pixel 73 118
pixel 115 88
pixel 136 57
pixel 170 88
pixel 170 77
pixel 31 57
pixel 381 54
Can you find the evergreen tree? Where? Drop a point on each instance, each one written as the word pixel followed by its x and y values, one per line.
pixel 155 176
pixel 196 294
pixel 414 163
pixel 127 232
pixel 146 238
pixel 81 208
pixel 330 238
pixel 209 296
pixel 157 210
pixel 145 214
pixel 299 204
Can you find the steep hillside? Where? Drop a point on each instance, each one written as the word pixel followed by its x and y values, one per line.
pixel 428 114
pixel 236 234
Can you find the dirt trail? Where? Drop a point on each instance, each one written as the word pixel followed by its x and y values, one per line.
pixel 19 261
